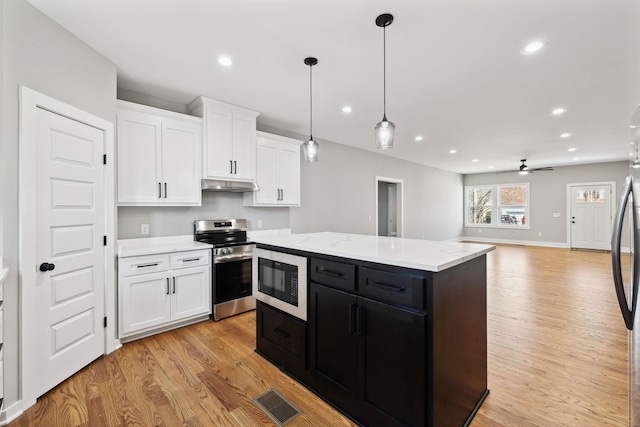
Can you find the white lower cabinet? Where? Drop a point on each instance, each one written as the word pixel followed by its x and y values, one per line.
pixel 162 291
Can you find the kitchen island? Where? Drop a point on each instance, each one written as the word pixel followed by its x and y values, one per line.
pixel 397 328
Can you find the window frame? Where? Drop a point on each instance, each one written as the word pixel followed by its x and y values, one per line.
pixel 496 207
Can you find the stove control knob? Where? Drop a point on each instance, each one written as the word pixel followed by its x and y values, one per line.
pixel 224 251
pixel 229 250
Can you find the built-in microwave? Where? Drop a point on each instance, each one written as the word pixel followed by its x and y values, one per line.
pixel 280 280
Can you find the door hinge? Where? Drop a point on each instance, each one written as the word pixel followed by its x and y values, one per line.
pixel 105 240
pixel 105 321
pixel 104 159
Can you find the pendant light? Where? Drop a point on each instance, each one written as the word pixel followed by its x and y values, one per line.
pixel 384 130
pixel 310 147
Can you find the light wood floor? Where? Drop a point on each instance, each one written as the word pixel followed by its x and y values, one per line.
pixel 557 357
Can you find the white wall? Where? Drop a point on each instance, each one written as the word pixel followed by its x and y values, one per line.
pixel 547 195
pixel 175 221
pixel 338 193
pixel 39 54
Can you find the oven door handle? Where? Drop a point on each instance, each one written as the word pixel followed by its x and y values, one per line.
pixel 233 258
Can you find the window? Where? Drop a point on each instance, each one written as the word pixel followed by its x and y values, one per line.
pixel 511 202
pixel 479 205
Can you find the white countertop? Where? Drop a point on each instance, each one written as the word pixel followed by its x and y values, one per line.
pixel 158 245
pixel 425 255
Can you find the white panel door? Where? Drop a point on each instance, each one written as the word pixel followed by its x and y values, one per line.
pixel 180 162
pixel 191 290
pixel 267 171
pixel 591 217
pixel 70 228
pixel 289 174
pixel 219 151
pixel 139 158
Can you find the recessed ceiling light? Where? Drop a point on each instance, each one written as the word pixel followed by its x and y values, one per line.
pixel 633 126
pixel 225 60
pixel 532 47
pixel 558 111
pixel 565 135
pixel 572 149
pixel 419 138
pixel 346 109
pixel 453 151
pixel 491 167
pixel 631 143
pixel 475 160
pixel 576 158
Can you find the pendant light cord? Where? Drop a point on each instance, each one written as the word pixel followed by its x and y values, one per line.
pixel 384 71
pixel 311 102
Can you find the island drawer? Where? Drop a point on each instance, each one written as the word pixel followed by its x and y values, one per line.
pixel 332 273
pixel 281 336
pixel 393 288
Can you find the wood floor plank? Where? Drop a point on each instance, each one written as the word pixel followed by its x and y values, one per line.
pixel 557 356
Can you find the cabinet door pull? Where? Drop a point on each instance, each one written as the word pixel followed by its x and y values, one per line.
pixel 281 194
pixel 165 190
pixel 235 167
pixel 191 259
pixel 168 286
pixel 159 190
pixel 352 318
pixel 362 317
pixel 331 273
pixel 279 332
pixel 387 287
pixel 174 285
pixel 231 167
pixel 146 265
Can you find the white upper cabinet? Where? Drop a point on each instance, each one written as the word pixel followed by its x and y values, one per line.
pixel 158 157
pixel 278 172
pixel 229 150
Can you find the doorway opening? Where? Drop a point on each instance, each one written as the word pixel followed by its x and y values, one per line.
pixel 389 202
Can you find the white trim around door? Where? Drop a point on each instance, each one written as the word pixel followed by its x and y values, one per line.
pixel 613 205
pixel 399 211
pixel 30 102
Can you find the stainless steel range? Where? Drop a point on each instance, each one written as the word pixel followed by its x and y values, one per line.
pixel 231 275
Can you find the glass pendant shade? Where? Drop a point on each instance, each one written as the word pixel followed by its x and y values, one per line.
pixel 384 131
pixel 310 149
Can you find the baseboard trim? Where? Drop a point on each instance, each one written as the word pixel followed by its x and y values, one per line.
pixel 11 413
pixel 515 242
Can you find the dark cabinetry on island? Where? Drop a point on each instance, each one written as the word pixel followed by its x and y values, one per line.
pixel 387 345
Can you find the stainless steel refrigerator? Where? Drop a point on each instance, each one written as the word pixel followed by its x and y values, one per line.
pixel 626 266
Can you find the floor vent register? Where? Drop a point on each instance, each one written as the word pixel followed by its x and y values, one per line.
pixel 279 409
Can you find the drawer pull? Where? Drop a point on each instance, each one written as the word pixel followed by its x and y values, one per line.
pixel 387 287
pixel 146 265
pixel 330 272
pixel 279 332
pixel 190 260
pixel 168 286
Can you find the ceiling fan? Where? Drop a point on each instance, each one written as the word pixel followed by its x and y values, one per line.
pixel 524 169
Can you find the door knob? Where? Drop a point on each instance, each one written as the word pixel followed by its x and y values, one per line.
pixel 45 266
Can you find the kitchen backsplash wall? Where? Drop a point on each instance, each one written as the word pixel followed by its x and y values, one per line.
pixel 173 221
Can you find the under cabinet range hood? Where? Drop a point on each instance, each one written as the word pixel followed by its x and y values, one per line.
pixel 231 186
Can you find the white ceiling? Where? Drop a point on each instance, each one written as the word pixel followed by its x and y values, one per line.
pixel 454 71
